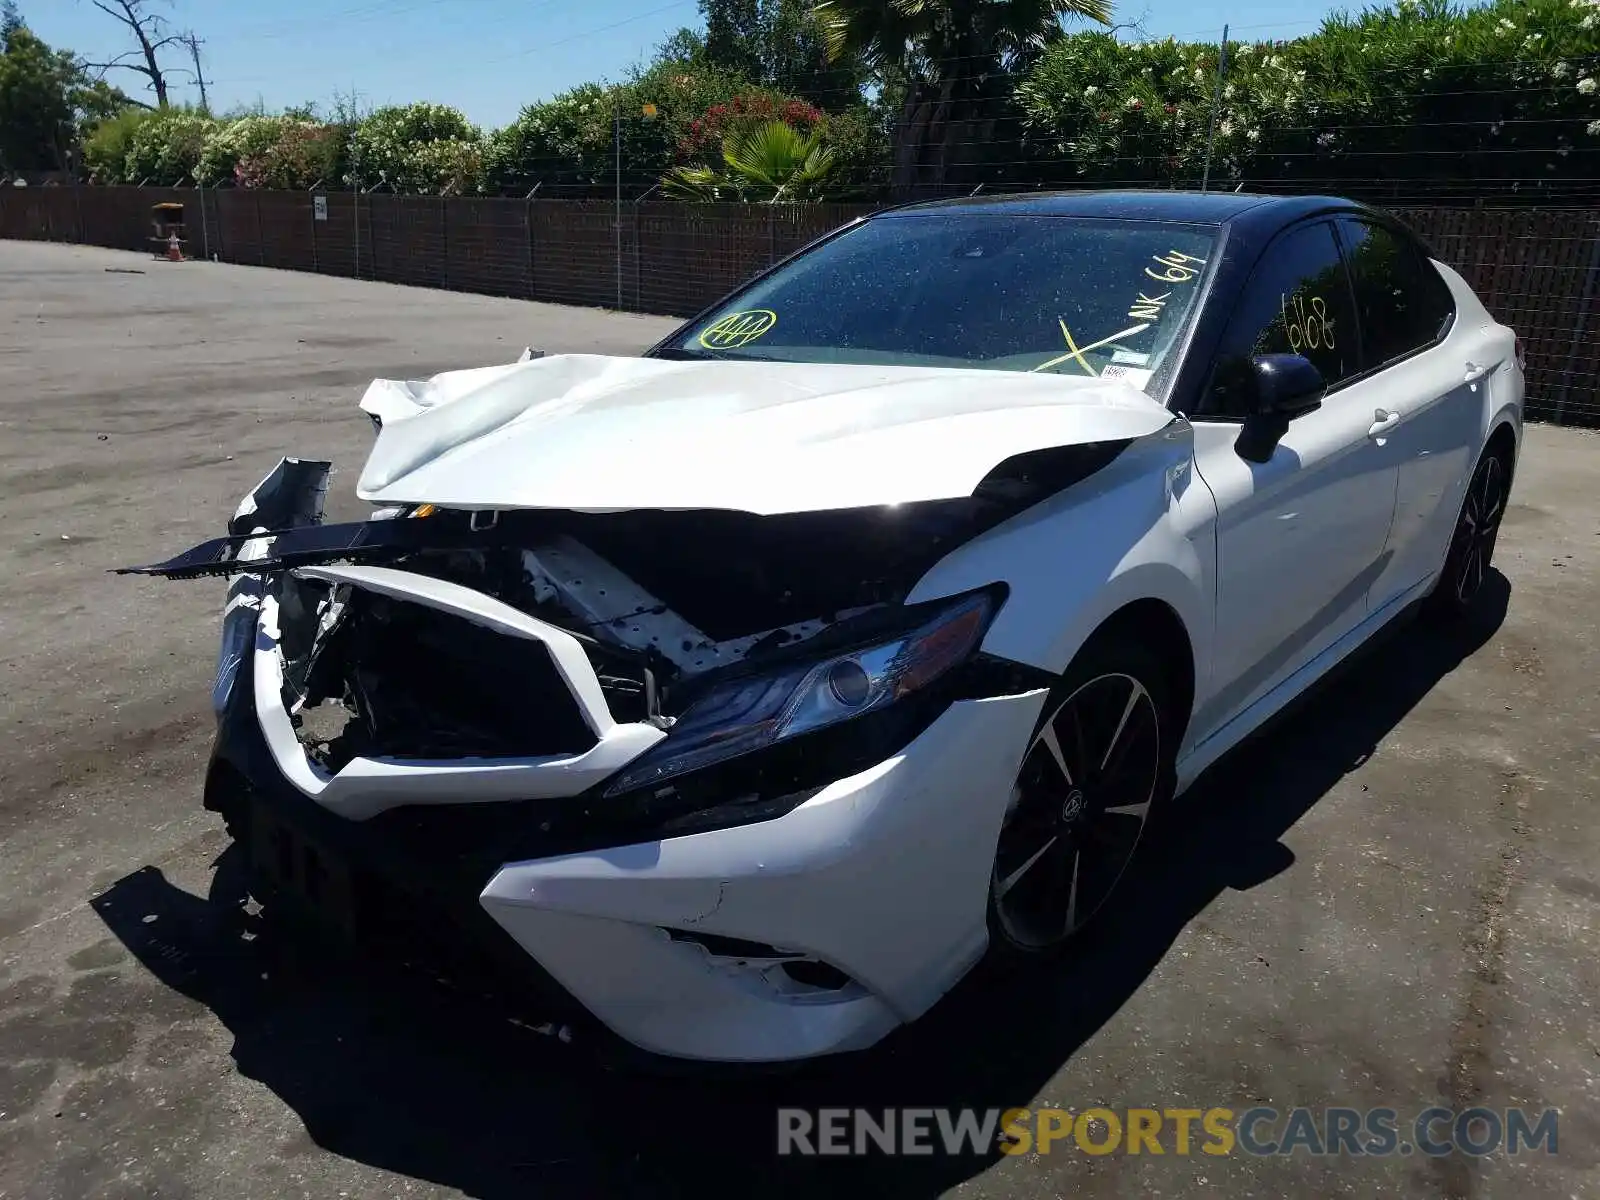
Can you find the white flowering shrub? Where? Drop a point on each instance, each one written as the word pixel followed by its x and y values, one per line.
pixel 427 148
pixel 166 146
pixel 229 141
pixel 1506 91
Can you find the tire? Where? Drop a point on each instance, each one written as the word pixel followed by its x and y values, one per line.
pixel 1472 541
pixel 1099 766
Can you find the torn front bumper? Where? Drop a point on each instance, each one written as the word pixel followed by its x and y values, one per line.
pixel 678 945
pixel 364 786
pixel 817 929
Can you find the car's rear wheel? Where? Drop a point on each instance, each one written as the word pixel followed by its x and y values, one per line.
pixel 1472 544
pixel 1099 765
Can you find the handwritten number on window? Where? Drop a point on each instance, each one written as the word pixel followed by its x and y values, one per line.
pixel 1308 327
pixel 1180 268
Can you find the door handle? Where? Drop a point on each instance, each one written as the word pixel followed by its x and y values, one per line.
pixel 1476 371
pixel 1382 422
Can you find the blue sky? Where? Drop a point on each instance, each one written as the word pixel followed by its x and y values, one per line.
pixel 486 57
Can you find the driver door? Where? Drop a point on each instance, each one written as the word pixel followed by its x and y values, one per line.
pixel 1301 536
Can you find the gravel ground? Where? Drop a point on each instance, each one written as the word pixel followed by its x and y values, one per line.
pixel 1390 900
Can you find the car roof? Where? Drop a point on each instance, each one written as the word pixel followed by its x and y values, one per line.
pixel 1203 208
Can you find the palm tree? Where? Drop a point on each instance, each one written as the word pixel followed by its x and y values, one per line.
pixel 952 58
pixel 774 163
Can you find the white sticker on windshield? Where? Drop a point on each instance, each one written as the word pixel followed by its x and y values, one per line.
pixel 1136 376
pixel 1134 358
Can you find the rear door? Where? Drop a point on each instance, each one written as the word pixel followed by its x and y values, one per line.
pixel 1300 537
pixel 1426 374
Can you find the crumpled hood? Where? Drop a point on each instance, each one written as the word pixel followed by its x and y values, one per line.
pixel 598 433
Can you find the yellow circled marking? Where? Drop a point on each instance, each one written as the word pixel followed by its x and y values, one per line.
pixel 737 329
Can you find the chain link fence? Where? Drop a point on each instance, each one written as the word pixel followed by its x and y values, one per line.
pixel 1537 268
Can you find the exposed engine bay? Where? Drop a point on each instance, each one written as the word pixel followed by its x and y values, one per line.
pixel 664 603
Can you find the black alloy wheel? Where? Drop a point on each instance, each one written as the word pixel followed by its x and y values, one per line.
pixel 1098 765
pixel 1472 544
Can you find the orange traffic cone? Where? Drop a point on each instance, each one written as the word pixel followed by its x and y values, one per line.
pixel 174 250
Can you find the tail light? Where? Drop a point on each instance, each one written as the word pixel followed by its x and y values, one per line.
pixel 1522 361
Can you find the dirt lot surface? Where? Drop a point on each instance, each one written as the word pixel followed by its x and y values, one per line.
pixel 1391 900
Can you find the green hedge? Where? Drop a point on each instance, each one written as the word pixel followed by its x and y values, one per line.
pixel 1505 92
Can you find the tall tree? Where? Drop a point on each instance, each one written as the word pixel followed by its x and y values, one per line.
pixel 776 43
pixel 948 60
pixel 152 34
pixel 37 124
pixel 48 102
pixel 734 35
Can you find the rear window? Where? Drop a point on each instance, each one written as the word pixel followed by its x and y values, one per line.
pixel 1014 293
pixel 1403 304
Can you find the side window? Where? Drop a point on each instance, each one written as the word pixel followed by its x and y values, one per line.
pixel 1403 304
pixel 1296 302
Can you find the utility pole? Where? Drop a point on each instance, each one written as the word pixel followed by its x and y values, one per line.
pixel 194 43
pixel 1216 103
pixel 355 190
pixel 617 119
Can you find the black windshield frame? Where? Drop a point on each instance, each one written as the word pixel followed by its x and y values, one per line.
pixel 1159 384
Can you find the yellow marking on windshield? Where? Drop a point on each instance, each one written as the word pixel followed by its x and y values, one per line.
pixel 1180 267
pixel 1077 352
pixel 1073 346
pixel 1148 308
pixel 738 329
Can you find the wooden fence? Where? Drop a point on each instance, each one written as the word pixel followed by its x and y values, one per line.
pixel 1538 269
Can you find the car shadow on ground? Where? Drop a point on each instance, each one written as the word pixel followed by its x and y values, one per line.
pixel 388 1070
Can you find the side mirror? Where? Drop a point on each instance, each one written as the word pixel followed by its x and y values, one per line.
pixel 1283 387
pixel 1287 385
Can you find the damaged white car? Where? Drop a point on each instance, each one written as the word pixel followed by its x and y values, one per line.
pixel 743 695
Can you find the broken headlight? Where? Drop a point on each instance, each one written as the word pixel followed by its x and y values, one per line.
pixel 750 712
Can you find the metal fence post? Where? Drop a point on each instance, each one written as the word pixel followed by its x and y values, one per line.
pixel 527 224
pixel 444 240
pixel 261 236
pixel 315 263
pixel 1216 103
pixel 355 222
pixel 205 227
pixel 1590 283
pixel 617 217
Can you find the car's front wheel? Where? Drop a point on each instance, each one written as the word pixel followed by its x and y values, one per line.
pixel 1099 764
pixel 1472 543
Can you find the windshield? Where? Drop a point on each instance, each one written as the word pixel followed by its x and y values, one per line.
pixel 1010 293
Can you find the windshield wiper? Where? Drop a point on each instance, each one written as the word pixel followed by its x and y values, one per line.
pixel 680 354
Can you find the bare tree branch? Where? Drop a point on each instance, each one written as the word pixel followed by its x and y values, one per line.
pixel 1137 25
pixel 150 30
pixel 115 62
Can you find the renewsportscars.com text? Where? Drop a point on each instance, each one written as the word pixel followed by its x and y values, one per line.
pixel 1431 1131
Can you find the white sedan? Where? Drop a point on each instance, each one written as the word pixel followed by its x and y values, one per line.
pixel 740 697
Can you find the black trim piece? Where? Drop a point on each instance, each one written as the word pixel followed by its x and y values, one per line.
pixel 729 947
pixel 292 495
pixel 814 973
pixel 308 545
pixel 988 675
